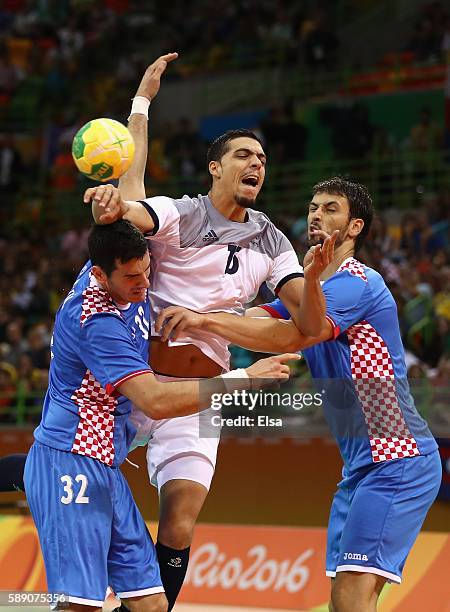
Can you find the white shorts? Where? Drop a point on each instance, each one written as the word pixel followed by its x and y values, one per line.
pixel 171 439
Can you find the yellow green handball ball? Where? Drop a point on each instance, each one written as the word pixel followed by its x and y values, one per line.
pixel 103 149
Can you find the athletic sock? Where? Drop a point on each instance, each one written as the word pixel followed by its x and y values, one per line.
pixel 173 565
pixel 11 472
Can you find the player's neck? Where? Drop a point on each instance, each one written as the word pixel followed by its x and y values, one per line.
pixel 343 252
pixel 227 207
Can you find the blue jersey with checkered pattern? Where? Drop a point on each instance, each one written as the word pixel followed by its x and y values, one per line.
pixel 96 346
pixel 362 372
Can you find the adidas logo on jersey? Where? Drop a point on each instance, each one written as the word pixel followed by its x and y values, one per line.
pixel 211 236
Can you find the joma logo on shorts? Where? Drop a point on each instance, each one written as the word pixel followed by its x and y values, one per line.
pixel 355 557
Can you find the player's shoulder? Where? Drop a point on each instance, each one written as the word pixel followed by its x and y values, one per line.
pixel 87 298
pixel 192 206
pixel 257 216
pixel 353 273
pixel 183 204
pixel 352 267
pixel 95 301
pixel 272 240
pixel 71 305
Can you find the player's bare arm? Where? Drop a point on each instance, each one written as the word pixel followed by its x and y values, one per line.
pixel 260 334
pixel 131 184
pixel 173 399
pixel 291 294
pixel 312 310
pixel 110 204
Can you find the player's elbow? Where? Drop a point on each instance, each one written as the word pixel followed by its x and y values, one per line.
pixel 293 345
pixel 288 340
pixel 162 403
pixel 151 403
pixel 311 328
pixel 156 409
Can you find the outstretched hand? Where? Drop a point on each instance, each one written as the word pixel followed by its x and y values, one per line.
pixel 151 81
pixel 319 257
pixel 107 203
pixel 271 369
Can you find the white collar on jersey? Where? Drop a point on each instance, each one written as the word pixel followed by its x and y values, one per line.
pixel 345 262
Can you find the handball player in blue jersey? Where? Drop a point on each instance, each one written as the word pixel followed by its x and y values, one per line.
pixel 392 470
pixel 91 532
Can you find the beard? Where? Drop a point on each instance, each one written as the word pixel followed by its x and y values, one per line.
pixel 244 202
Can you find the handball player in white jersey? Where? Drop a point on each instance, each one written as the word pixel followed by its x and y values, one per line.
pixel 209 253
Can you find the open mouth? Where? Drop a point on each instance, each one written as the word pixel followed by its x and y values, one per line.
pixel 251 180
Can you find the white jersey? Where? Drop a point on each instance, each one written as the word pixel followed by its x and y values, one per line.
pixel 203 261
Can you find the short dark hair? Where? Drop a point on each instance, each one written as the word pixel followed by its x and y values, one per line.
pixel 219 146
pixel 116 241
pixel 359 200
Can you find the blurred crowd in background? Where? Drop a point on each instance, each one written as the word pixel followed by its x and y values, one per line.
pixel 57 71
pixel 427 41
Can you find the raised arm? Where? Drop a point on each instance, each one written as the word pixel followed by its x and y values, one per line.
pixel 291 295
pixel 312 313
pixel 308 310
pixel 131 184
pixel 108 205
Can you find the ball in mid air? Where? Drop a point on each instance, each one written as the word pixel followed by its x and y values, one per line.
pixel 103 149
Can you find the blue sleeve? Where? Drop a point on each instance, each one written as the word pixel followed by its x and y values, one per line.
pixel 276 309
pixel 108 351
pixel 347 300
pixel 346 296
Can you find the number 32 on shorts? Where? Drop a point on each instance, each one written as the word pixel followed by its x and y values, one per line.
pixel 80 498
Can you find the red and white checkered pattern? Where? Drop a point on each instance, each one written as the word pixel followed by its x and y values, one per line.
pixel 95 300
pixel 373 373
pixel 355 267
pixel 384 449
pixel 94 436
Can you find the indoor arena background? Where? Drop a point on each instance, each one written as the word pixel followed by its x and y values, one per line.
pixel 328 94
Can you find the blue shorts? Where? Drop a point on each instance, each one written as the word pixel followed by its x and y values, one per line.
pixel 376 515
pixel 91 532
